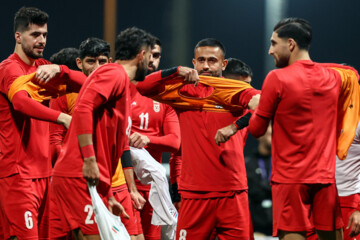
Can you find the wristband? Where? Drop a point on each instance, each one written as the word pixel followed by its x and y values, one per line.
pixel 87 151
pixel 243 121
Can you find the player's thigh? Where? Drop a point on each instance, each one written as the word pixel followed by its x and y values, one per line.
pixel 326 208
pixel 197 219
pixel 233 217
pixel 74 204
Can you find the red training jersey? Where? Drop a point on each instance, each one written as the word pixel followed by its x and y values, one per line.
pixel 102 109
pixel 302 100
pixel 207 167
pixel 23 140
pixel 158 122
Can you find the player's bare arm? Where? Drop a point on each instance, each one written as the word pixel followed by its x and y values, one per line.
pixel 64 119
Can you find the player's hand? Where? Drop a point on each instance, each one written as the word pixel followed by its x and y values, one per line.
pixel 190 74
pixel 177 205
pixel 45 73
pixel 139 201
pixel 64 119
pixel 138 140
pixel 354 223
pixel 116 208
pixel 254 102
pixel 91 170
pixel 224 134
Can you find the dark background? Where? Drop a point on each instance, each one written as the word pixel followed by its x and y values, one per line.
pixel 180 24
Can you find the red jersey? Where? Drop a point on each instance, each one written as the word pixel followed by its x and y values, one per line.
pixel 66 105
pixel 302 100
pixel 158 122
pixel 206 166
pixel 23 140
pixel 102 109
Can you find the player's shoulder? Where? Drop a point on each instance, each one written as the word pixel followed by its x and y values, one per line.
pixel 41 61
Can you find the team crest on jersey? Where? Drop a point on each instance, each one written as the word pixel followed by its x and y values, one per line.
pixel 156 106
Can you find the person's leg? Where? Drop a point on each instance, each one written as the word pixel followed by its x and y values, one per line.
pixel 232 217
pixel 75 207
pixel 284 235
pixel 326 212
pixel 196 219
pixel 330 235
pixel 22 204
pixel 291 210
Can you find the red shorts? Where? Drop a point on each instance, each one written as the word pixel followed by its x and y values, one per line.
pixel 74 204
pixel 294 203
pixel 25 207
pixel 229 216
pixel 349 205
pixel 56 225
pixel 123 197
pixel 151 232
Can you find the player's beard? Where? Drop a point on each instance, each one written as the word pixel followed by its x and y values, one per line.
pixel 141 71
pixel 282 61
pixel 30 52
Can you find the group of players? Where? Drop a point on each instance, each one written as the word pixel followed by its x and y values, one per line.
pixel 110 105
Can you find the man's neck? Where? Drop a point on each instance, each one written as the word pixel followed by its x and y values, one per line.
pixel 18 50
pixel 299 55
pixel 130 67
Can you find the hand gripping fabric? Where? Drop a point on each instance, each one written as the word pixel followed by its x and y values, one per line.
pixel 148 170
pixel 110 226
pixel 218 101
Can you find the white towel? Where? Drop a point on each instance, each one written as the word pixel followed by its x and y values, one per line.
pixel 149 171
pixel 110 226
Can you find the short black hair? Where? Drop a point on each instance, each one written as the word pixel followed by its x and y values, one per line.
pixel 29 15
pixel 66 56
pixel 157 41
pixel 236 67
pixel 130 41
pixel 210 42
pixel 296 28
pixel 94 47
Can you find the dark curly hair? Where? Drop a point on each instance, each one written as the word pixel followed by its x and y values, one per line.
pixel 130 41
pixel 94 47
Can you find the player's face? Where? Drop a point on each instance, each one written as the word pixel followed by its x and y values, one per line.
pixel 33 40
pixel 209 61
pixel 155 58
pixel 279 49
pixel 89 64
pixel 142 69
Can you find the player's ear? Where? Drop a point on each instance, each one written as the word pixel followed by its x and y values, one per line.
pixel 79 63
pixel 141 55
pixel 18 37
pixel 224 64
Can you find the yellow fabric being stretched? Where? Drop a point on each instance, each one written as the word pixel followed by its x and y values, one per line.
pixel 118 179
pixel 36 92
pixel 348 110
pixel 218 101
